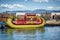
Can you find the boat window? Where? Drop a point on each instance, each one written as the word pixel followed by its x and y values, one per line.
pixel 31 19
pixel 20 17
pixel 34 19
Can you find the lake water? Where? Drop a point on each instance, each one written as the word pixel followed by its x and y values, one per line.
pixel 46 33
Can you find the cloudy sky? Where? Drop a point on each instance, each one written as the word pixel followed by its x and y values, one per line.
pixel 11 5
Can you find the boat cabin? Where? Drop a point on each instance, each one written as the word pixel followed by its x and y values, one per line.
pixel 28 19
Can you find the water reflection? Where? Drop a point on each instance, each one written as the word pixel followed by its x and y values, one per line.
pixel 47 33
pixel 25 31
pixel 27 34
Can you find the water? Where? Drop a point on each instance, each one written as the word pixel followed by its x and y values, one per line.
pixel 46 33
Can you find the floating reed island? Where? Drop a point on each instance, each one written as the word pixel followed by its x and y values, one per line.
pixel 52 23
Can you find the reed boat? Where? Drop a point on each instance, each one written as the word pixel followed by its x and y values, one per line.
pixel 29 20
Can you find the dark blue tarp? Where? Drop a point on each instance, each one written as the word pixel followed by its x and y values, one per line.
pixel 2 23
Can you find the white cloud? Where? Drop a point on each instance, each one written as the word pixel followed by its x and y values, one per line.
pixel 53 8
pixel 50 7
pixel 12 6
pixel 25 0
pixel 41 1
pixel 20 6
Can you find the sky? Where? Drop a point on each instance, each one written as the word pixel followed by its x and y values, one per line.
pixel 13 5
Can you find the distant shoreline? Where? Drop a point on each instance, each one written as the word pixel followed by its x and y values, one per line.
pixel 52 25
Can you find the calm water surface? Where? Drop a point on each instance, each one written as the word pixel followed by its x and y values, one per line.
pixel 46 33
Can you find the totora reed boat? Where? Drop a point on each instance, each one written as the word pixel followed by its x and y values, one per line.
pixel 28 20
